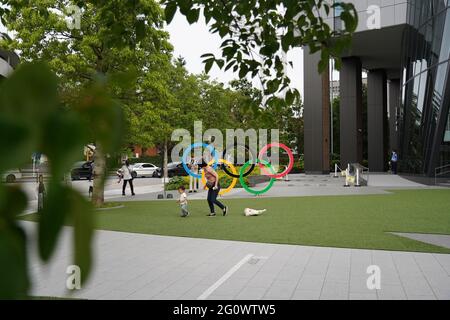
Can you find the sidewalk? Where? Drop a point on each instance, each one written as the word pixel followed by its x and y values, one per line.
pixel 301 185
pixel 136 266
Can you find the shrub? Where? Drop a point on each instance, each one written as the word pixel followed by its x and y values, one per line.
pixel 176 182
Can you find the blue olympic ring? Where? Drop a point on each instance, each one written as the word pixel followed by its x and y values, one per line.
pixel 197 145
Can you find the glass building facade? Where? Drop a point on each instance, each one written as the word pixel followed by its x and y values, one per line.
pixel 424 119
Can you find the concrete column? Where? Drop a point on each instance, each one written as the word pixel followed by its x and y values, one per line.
pixel 351 123
pixel 316 115
pixel 393 106
pixel 377 119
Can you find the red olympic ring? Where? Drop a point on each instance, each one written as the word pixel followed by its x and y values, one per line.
pixel 288 151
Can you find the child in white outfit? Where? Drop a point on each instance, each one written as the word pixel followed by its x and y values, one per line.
pixel 183 201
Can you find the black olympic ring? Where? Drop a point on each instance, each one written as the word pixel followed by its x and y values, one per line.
pixel 250 151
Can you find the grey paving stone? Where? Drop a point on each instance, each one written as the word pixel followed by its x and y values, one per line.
pixel 435 239
pixel 252 293
pixel 231 287
pixel 444 261
pixel 281 289
pixel 262 280
pixel 335 290
pixel 194 292
pixel 306 295
pixel 416 286
pixel 291 274
pixel 391 292
pixel 358 284
pixel 338 274
pixel 310 283
pixel 420 297
pixel 363 296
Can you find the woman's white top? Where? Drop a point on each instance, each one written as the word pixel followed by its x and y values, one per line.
pixel 126 172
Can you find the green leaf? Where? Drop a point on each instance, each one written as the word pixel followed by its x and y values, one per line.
pixel 170 10
pixel 208 65
pixel 140 30
pixel 193 15
pixel 14 280
pixel 102 116
pixel 206 55
pixel 289 98
pixel 63 149
pixel 19 148
pixel 83 222
pixel 57 204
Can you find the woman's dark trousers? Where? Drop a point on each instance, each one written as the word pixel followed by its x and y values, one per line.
pixel 125 185
pixel 212 199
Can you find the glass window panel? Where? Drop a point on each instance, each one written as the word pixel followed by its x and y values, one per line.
pixel 438 90
pixel 417 14
pixel 415 112
pixel 438 26
pixel 423 86
pixel 445 48
pixel 424 14
pixel 438 5
pixel 447 129
pixel 427 42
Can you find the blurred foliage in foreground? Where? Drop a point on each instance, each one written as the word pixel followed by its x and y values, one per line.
pixel 33 119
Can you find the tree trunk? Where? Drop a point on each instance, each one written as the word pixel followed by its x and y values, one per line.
pixel 98 194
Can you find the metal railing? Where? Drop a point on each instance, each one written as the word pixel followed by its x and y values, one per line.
pixel 359 174
pixel 440 171
pixel 336 170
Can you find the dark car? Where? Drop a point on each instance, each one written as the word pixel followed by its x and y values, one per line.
pixel 82 170
pixel 173 169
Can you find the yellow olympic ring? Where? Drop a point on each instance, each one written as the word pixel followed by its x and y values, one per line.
pixel 233 182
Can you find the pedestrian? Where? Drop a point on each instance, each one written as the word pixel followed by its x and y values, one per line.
pixel 183 201
pixel 212 182
pixel 193 181
pixel 41 192
pixel 127 177
pixel 394 161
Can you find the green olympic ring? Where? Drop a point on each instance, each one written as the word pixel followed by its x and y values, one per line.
pixel 247 188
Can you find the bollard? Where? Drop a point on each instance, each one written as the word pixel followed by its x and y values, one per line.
pixel 336 170
pixel 357 184
pixel 346 178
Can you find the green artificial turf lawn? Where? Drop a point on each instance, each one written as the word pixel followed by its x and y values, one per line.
pixel 336 221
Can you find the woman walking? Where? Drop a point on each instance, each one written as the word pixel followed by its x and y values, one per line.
pixel 127 177
pixel 212 182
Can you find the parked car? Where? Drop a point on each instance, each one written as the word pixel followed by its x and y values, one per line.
pixel 11 176
pixel 82 170
pixel 145 170
pixel 173 168
pixel 29 172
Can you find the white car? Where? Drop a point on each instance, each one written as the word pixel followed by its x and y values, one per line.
pixel 12 176
pixel 144 170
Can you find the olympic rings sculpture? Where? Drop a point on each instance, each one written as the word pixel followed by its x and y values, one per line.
pixel 242 172
pixel 187 153
pixel 252 167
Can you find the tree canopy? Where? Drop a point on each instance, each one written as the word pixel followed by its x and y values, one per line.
pixel 258 33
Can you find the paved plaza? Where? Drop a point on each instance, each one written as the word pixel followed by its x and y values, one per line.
pixel 136 266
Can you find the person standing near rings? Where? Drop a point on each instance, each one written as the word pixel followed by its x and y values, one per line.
pixel 193 181
pixel 127 177
pixel 212 182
